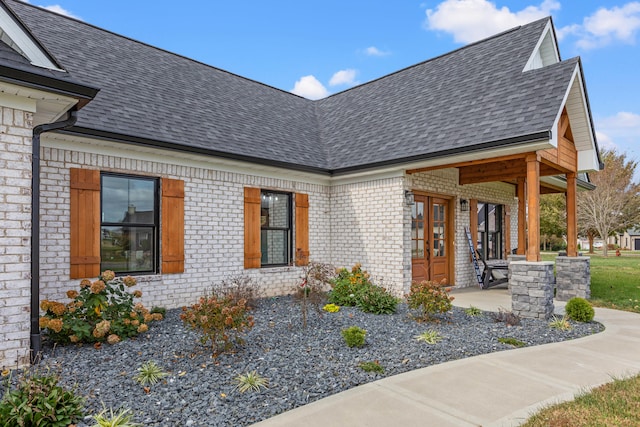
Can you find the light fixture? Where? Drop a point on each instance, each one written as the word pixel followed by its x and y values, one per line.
pixel 464 205
pixel 409 198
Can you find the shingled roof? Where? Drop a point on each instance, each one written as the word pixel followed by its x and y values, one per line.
pixel 474 98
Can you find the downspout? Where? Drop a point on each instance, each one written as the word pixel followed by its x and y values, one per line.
pixel 36 339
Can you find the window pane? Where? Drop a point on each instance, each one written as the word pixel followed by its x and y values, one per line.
pixel 275 210
pixel 127 249
pixel 128 200
pixel 274 246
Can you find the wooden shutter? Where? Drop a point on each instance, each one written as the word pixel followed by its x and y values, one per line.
pixel 252 254
pixel 85 223
pixel 302 229
pixel 172 226
pixel 473 221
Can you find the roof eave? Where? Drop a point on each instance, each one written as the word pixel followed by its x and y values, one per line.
pixel 84 93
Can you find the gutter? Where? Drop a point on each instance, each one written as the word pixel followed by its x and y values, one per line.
pixel 36 339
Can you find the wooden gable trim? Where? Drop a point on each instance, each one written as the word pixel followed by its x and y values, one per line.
pixel 84 219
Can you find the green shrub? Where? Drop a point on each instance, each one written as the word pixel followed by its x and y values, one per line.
pixel 472 311
pixel 120 419
pixel 38 400
pixel 150 373
pixel 430 337
pixel 579 310
pixel 374 366
pixel 430 298
pixel 375 299
pixel 354 336
pixel 512 341
pixel 348 285
pixel 102 310
pixel 251 381
pixel 220 320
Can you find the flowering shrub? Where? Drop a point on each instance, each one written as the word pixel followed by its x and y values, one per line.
pixel 102 310
pixel 375 299
pixel 348 285
pixel 430 298
pixel 220 320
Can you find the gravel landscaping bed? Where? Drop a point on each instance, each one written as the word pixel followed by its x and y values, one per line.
pixel 302 365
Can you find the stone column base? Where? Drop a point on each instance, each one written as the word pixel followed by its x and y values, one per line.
pixel 573 277
pixel 532 289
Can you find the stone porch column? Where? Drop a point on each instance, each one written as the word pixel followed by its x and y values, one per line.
pixel 532 289
pixel 573 277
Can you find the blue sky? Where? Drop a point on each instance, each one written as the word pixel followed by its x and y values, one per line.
pixel 315 48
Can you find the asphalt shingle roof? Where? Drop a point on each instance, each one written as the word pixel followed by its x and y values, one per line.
pixel 464 100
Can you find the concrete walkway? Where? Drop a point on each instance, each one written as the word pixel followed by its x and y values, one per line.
pixel 498 389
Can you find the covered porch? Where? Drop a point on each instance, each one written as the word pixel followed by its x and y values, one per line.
pixel 532 282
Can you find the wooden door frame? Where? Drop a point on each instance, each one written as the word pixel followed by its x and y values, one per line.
pixel 450 244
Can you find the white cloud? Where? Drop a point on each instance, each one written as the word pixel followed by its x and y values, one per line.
pixel 57 9
pixel 60 10
pixel 606 26
pixel 344 77
pixel 472 20
pixel 621 132
pixel 374 51
pixel 310 88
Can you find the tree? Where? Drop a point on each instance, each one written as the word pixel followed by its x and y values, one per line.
pixel 553 217
pixel 615 203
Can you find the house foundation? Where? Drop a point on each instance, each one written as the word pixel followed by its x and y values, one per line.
pixel 532 289
pixel 573 277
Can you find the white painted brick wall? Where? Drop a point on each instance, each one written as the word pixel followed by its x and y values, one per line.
pixel 368 226
pixel 15 236
pixel 214 227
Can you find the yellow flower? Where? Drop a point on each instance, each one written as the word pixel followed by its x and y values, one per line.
pixel 113 339
pixel 108 275
pixel 142 328
pixel 72 294
pixel 97 287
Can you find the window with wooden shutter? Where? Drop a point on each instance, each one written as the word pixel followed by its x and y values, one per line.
pixel 302 229
pixel 172 226
pixel 85 223
pixel 252 202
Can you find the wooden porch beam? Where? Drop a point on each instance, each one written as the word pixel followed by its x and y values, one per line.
pixel 467 163
pixel 490 172
pixel 522 217
pixel 572 222
pixel 533 208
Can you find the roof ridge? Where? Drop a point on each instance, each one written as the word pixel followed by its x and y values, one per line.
pixel 80 21
pixel 446 54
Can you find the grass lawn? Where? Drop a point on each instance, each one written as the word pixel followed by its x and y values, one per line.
pixel 615 281
pixel 613 404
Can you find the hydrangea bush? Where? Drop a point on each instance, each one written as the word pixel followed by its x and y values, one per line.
pixel 102 310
